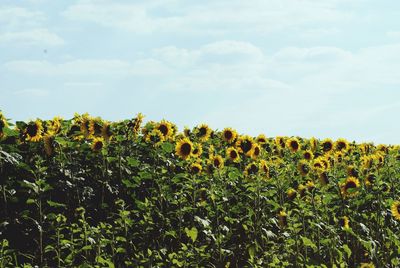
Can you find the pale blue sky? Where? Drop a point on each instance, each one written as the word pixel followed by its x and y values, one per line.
pixel 327 68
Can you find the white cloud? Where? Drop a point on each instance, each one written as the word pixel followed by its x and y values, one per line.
pixel 35 92
pixel 33 37
pixel 15 18
pixel 215 17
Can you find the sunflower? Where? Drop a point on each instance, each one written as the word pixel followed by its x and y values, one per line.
pixel 382 148
pixel 251 169
pixel 291 194
pixel 341 145
pixel 379 158
pixel 261 139
pixel 350 186
pixel 106 132
pixel 203 132
pixel 48 141
pixel 344 222
pixel 184 148
pixel 245 145
pixel 338 156
pixel 282 218
pixel 367 161
pixel 217 161
pixel 54 126
pixel 327 145
pixel 84 121
pixel 186 132
pixel 303 167
pixel 310 185
pixel 256 151
pixel 136 123
pixel 352 171
pixel 3 124
pixel 95 126
pixel 34 131
pixel 308 155
pixel 229 135
pixel 313 143
pixel 97 144
pixel 155 137
pixel 197 150
pixel 395 208
pixel 323 178
pixel 367 265
pixel 233 155
pixel 165 128
pixel 301 189
pixel 264 168
pixel 196 168
pixel 370 179
pixel 280 142
pixel 293 144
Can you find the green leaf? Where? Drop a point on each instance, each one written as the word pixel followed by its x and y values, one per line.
pixel 10 132
pixel 308 243
pixel 167 147
pixel 192 233
pixel 347 250
pixel 30 201
pixel 55 204
pixel 132 162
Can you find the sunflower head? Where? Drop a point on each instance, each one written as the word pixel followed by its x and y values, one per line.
pixel 261 139
pixel 291 194
pixel 280 142
pixel 395 209
pixel 251 169
pixel 196 168
pixel 3 124
pixel 155 137
pixel 341 145
pixel 282 218
pixel 97 144
pixel 229 135
pixel 370 179
pixel 338 157
pixel 313 143
pixel 84 121
pixel 165 128
pixel 203 132
pixel 186 132
pixel 255 151
pixel 323 178
pixel 217 161
pixel 367 161
pixel 233 155
pixel 350 186
pixel 367 265
pixel 95 126
pixel 264 168
pixel 344 222
pixel 54 126
pixel 301 189
pixel 136 123
pixel 352 171
pixel 34 131
pixel 327 145
pixel 303 167
pixel 106 131
pixel 245 145
pixel 184 148
pixel 293 144
pixel 310 185
pixel 308 155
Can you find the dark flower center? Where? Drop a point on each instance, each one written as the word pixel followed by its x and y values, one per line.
pixel 186 148
pixel 327 146
pixel 246 146
pixel 163 129
pixel 294 145
pixel 233 154
pixel 98 145
pixel 228 135
pixel 350 185
pixel 253 169
pixel 32 130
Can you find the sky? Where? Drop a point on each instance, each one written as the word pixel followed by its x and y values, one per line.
pixel 304 68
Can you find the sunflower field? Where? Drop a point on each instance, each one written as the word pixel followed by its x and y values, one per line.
pixel 87 192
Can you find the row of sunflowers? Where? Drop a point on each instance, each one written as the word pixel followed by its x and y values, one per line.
pixel 200 197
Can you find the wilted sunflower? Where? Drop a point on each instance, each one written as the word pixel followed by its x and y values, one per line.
pixel 341 145
pixel 395 208
pixel 217 161
pixel 280 142
pixel 291 194
pixel 308 155
pixel 165 128
pixel 54 126
pixel 34 131
pixel 261 139
pixel 196 168
pixel 136 123
pixel 264 168
pixel 350 186
pixel 245 145
pixel 48 141
pixel 197 150
pixel 203 132
pixel 323 178
pixel 3 124
pixel 95 126
pixel 184 148
pixel 106 132
pixel 344 222
pixel 97 144
pixel 303 167
pixel 293 144
pixel 327 145
pixel 84 121
pixel 229 135
pixel 233 155
pixel 251 169
pixel 282 218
